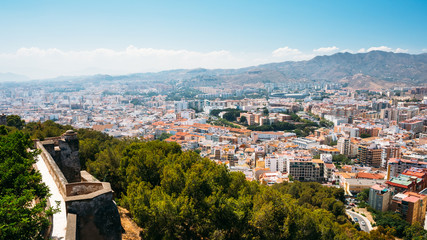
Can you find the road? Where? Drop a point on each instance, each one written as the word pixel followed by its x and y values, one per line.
pixel 367 227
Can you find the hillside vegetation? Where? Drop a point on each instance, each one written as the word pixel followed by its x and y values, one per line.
pixel 23 197
pixel 172 194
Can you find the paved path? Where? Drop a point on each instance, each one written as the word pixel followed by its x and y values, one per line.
pixel 59 219
pixel 367 227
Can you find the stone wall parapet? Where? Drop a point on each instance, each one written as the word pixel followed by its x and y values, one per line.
pixel 54 170
pixel 88 202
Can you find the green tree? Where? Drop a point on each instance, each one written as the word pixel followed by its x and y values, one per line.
pixel 325 123
pixel 295 117
pixel 88 148
pixel 231 116
pixel 14 121
pixel 174 194
pixel 391 220
pixel 265 112
pixel 3 130
pixel 164 136
pixel 415 232
pixel 48 128
pixel 136 101
pixel 341 159
pixel 106 167
pixel 364 195
pixel 365 135
pixel 23 197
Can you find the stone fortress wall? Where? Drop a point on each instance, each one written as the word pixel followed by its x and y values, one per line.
pixel 91 211
pixel 3 119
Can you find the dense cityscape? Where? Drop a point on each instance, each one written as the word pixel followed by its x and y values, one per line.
pixel 213 120
pixel 372 144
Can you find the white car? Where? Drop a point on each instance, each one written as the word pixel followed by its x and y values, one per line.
pixel 362 223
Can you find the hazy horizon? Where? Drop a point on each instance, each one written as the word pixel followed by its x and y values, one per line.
pixel 47 39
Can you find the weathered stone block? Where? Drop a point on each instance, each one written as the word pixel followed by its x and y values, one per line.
pixel 97 218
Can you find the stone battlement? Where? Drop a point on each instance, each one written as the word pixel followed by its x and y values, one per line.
pixel 65 151
pixel 91 211
pixel 3 119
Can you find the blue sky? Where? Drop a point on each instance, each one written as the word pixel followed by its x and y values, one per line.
pixel 51 38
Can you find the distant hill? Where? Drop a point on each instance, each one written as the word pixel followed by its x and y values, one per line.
pixel 11 77
pixel 372 70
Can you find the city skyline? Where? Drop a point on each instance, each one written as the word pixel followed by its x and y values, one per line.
pixel 49 39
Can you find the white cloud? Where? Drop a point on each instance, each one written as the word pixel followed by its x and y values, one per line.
pixel 362 50
pixel 424 50
pixel 285 51
pixel 42 63
pixel 326 49
pixel 287 54
pixel 382 48
pixel 400 50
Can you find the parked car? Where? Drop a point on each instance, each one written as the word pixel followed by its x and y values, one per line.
pixel 362 223
pixel 355 219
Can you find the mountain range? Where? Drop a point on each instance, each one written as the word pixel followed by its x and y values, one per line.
pixel 11 77
pixel 371 70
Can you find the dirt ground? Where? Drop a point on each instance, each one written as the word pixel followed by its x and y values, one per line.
pixel 131 229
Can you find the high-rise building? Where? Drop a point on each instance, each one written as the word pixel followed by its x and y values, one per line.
pixel 343 144
pixel 416 126
pixel 371 155
pixel 306 170
pixel 379 197
pixel 396 166
pixel 411 205
pixel 275 163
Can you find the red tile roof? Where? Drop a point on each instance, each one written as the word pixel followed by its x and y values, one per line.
pixel 369 175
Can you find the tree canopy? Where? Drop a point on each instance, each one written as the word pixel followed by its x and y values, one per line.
pixel 23 197
pixel 164 136
pixel 365 135
pixel 175 194
pixel 14 121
